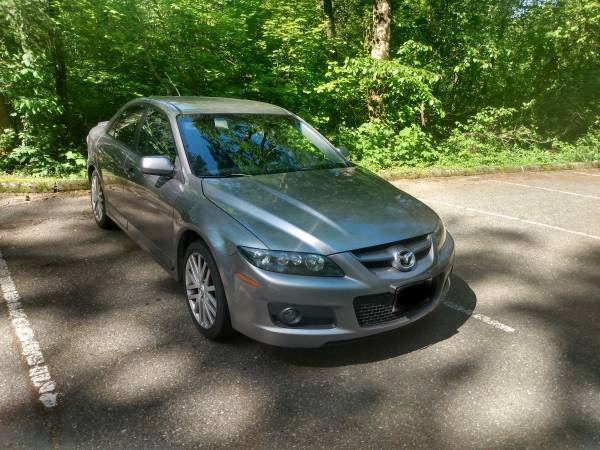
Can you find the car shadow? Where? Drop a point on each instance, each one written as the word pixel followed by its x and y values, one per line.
pixel 440 325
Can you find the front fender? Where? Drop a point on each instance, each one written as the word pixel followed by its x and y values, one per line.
pixel 221 232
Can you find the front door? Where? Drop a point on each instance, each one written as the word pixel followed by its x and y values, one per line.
pixel 150 198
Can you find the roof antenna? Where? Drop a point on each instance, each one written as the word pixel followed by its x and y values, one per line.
pixel 173 84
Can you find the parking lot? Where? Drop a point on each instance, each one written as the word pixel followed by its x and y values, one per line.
pixel 511 359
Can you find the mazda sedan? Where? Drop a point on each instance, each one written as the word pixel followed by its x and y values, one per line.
pixel 271 229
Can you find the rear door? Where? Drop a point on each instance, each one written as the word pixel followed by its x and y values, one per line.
pixel 150 198
pixel 113 149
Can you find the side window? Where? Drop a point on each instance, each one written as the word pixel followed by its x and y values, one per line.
pixel 123 129
pixel 156 137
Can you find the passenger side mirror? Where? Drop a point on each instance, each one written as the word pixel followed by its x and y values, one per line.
pixel 156 165
pixel 344 151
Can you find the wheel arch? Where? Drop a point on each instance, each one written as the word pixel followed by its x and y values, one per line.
pixel 186 237
pixel 90 171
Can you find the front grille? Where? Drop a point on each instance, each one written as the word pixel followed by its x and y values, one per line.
pixel 381 256
pixel 381 308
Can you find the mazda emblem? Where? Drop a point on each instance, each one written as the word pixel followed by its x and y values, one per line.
pixel 404 260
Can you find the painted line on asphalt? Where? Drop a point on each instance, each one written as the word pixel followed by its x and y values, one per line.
pixel 482 317
pixel 595 197
pixel 39 374
pixel 516 219
pixel 588 174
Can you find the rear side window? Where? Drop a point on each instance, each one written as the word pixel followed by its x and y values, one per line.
pixel 124 127
pixel 156 137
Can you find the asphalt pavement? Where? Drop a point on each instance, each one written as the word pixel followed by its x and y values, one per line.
pixel 511 360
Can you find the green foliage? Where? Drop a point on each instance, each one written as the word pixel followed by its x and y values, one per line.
pixel 491 129
pixel 497 137
pixel 376 145
pixel 586 148
pixel 403 90
pixel 468 82
pixel 37 161
pixel 8 141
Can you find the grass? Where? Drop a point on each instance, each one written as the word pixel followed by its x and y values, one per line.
pixel 517 157
pixel 20 183
pixel 396 174
pixel 480 159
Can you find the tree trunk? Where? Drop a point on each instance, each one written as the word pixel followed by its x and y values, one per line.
pixel 57 54
pixel 382 21
pixel 154 71
pixel 328 8
pixel 380 49
pixel 330 30
pixel 4 113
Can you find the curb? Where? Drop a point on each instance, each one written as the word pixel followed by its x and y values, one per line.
pixel 392 175
pixel 59 185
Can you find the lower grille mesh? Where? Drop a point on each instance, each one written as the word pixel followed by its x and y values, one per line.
pixel 379 308
pixel 374 313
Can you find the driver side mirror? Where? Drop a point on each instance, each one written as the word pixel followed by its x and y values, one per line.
pixel 156 165
pixel 344 151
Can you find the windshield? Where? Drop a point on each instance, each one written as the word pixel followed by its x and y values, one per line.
pixel 253 144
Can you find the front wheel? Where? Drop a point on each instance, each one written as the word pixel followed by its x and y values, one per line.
pixel 99 203
pixel 206 297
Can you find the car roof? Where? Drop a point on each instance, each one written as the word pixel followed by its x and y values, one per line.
pixel 216 105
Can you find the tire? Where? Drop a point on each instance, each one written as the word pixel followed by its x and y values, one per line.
pixel 98 201
pixel 206 299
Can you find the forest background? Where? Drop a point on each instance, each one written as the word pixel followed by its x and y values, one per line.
pixel 423 83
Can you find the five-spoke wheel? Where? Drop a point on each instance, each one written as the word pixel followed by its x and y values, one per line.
pixel 99 202
pixel 200 290
pixel 205 293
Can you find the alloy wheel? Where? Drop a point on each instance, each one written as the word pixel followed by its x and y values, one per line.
pixel 200 290
pixel 97 198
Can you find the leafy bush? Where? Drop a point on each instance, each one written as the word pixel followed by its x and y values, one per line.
pixel 404 93
pixel 489 138
pixel 499 137
pixel 586 148
pixel 33 160
pixel 8 140
pixel 39 146
pixel 377 145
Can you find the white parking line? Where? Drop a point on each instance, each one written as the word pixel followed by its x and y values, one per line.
pixel 595 197
pixel 588 174
pixel 482 317
pixel 30 347
pixel 517 219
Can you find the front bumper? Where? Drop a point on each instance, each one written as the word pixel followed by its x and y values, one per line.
pixel 249 307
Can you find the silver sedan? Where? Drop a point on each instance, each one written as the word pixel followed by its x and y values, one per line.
pixel 270 228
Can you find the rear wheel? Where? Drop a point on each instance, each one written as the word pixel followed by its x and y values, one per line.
pixel 206 297
pixel 98 202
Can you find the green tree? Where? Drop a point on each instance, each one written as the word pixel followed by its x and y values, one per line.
pixel 398 82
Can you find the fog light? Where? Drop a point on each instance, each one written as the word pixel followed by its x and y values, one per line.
pixel 290 316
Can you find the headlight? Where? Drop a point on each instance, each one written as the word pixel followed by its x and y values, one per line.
pixel 440 234
pixel 292 262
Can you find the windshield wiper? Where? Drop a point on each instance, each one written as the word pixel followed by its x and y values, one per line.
pixel 231 175
pixel 227 175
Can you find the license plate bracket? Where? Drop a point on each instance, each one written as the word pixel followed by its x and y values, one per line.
pixel 413 295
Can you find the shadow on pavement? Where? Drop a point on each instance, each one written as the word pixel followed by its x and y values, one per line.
pixel 134 372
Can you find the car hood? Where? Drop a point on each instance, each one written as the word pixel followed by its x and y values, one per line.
pixel 325 211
